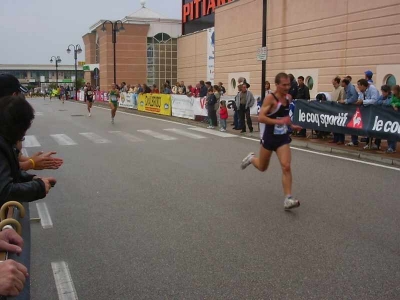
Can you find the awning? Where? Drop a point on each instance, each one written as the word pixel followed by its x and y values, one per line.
pixel 91 67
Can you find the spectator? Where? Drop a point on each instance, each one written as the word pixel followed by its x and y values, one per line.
pixel 203 89
pixel 166 90
pixel 168 84
pixel 368 76
pixel 396 97
pixel 217 93
pixel 368 93
pixel 246 101
pixel 146 89
pixel 16 116
pixel 123 88
pixel 222 88
pixel 223 115
pixel 350 92
pixel 294 89
pixel 212 114
pixel 208 85
pixel 131 89
pixel 12 273
pixel 349 78
pixel 384 100
pixel 267 88
pixel 237 125
pixel 190 91
pixel 183 89
pixel 175 89
pixel 338 93
pixel 197 90
pixel 303 91
pixel 155 89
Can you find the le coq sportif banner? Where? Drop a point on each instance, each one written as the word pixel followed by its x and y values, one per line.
pixel 373 121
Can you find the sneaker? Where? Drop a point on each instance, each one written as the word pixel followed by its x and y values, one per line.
pixel 247 160
pixel 89 115
pixel 222 130
pixel 351 144
pixel 390 151
pixel 112 121
pixel 243 131
pixel 290 203
pixel 373 147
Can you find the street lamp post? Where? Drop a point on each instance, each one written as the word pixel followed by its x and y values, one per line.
pixel 115 29
pixel 57 60
pixel 77 50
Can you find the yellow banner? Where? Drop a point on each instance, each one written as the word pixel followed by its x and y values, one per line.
pixel 155 103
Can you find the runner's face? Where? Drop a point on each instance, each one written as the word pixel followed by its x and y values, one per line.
pixel 113 86
pixel 284 86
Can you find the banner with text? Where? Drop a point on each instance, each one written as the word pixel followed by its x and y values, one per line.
pixel 183 106
pixel 373 121
pixel 155 103
pixel 230 100
pixel 127 100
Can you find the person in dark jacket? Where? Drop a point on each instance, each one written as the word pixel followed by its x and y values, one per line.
pixel 212 113
pixel 203 89
pixel 294 88
pixel 16 116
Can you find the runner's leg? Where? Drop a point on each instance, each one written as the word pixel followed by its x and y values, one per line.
pixel 262 162
pixel 285 158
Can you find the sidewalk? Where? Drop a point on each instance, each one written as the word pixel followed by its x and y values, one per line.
pixel 315 144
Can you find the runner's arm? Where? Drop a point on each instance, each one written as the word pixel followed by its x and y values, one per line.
pixel 265 108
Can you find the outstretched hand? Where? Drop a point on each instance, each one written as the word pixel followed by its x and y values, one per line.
pixel 46 161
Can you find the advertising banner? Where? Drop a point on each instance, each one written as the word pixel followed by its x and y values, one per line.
pixel 126 100
pixel 100 96
pixel 230 105
pixel 155 103
pixel 183 106
pixel 200 107
pixel 210 54
pixel 373 121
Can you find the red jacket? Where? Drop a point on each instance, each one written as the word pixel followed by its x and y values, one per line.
pixel 223 112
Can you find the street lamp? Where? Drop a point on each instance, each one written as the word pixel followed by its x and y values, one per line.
pixel 57 60
pixel 77 50
pixel 115 29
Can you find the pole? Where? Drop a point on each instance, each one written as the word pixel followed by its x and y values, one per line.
pixel 114 40
pixel 76 75
pixel 57 71
pixel 264 44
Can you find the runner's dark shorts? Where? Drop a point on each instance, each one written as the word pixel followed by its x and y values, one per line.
pixel 89 98
pixel 273 142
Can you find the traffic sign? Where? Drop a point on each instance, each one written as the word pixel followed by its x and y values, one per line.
pixel 262 53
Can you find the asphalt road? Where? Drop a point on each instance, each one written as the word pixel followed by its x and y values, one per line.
pixel 139 217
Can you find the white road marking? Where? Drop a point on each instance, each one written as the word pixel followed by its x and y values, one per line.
pixel 335 156
pixel 127 136
pixel 38 113
pixel 44 215
pixel 30 141
pixel 65 285
pixel 213 132
pixel 24 152
pixel 157 135
pixel 63 139
pixel 185 133
pixel 95 138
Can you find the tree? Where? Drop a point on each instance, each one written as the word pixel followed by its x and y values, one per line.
pixel 80 83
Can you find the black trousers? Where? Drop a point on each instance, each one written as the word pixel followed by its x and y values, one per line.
pixel 245 114
pixel 212 114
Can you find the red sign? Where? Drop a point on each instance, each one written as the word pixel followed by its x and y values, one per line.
pixel 200 8
pixel 356 121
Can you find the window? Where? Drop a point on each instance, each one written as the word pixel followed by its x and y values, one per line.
pixel 233 83
pixel 390 80
pixel 310 82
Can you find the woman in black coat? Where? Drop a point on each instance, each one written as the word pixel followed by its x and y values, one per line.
pixel 16 116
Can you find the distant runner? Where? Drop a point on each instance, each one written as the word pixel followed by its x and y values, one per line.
pixel 274 114
pixel 89 97
pixel 114 95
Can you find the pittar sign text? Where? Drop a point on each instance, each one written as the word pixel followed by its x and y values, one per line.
pixel 200 8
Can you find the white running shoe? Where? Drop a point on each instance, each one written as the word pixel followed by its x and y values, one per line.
pixel 89 115
pixel 290 203
pixel 247 160
pixel 210 127
pixel 112 121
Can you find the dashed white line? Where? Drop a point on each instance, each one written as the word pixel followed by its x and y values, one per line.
pixel 213 132
pixel 95 138
pixel 127 136
pixel 65 285
pixel 63 139
pixel 185 133
pixel 157 135
pixel 44 215
pixel 30 141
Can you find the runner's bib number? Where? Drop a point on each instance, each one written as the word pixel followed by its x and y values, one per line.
pixel 89 93
pixel 280 129
pixel 113 98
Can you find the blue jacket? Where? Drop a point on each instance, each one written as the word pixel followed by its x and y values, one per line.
pixel 351 94
pixel 211 101
pixel 385 101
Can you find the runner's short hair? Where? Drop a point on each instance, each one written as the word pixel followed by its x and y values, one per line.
pixel 281 76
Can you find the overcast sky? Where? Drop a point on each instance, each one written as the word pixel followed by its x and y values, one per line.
pixel 31 31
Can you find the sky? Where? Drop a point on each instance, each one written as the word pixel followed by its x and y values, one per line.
pixel 31 31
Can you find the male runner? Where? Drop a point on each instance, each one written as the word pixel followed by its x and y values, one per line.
pixel 274 114
pixel 89 97
pixel 114 95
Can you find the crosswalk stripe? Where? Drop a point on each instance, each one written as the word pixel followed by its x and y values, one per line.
pixel 95 138
pixel 38 113
pixel 157 135
pixel 24 152
pixel 127 136
pixel 63 140
pixel 213 132
pixel 30 141
pixel 185 133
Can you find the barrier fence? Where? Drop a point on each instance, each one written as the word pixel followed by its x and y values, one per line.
pixel 372 121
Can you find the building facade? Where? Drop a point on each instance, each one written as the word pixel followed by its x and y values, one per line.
pixel 317 39
pixel 37 75
pixel 146 51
